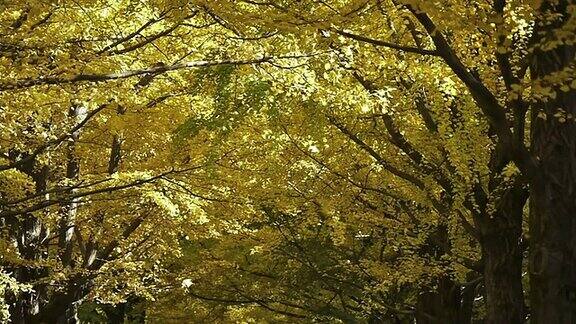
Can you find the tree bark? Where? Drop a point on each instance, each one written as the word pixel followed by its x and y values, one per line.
pixel 553 196
pixel 30 234
pixel 441 305
pixel 135 310
pixel 61 307
pixel 115 313
pixel 502 254
pixel 449 303
pixel 70 208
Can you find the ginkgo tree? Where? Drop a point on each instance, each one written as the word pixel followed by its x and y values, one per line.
pixel 352 161
pixel 92 201
pixel 325 172
pixel 512 61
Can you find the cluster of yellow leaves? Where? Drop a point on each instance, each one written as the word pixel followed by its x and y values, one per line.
pixel 293 181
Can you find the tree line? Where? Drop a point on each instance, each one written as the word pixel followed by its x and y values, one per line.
pixel 361 161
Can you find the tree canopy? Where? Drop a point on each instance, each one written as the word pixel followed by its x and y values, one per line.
pixel 248 161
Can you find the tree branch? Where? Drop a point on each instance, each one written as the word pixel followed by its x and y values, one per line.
pixel 56 141
pixel 377 42
pixel 50 80
pixel 47 203
pixel 390 168
pixel 485 100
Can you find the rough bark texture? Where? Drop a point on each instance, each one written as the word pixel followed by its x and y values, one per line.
pixel 499 219
pixel 553 196
pixel 499 216
pixel 69 209
pixel 502 251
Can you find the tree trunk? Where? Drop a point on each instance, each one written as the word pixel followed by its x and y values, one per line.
pixel 502 280
pixel 502 250
pixel 70 208
pixel 449 303
pixel 62 305
pixel 30 234
pixel 553 195
pixel 115 313
pixel 135 310
pixel 432 309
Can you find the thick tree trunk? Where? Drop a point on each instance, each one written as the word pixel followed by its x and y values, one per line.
pixel 131 311
pixel 31 238
pixel 439 306
pixel 136 310
pixel 115 313
pixel 502 280
pixel 553 186
pixel 449 303
pixel 70 208
pixel 502 250
pixel 467 295
pixel 61 307
pixel 30 235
